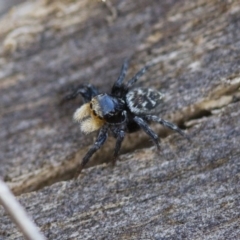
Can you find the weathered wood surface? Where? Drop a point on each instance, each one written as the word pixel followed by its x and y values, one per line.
pixel 190 190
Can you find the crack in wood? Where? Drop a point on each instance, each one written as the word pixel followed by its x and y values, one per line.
pixel 219 98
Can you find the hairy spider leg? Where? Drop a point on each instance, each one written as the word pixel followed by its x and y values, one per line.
pixel 116 89
pixel 101 138
pixel 138 75
pixel 87 91
pixel 166 124
pixel 122 75
pixel 143 124
pixel 119 134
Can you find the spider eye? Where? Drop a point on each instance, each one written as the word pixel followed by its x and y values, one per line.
pixel 90 105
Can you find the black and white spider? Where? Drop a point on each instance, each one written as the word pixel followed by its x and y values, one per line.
pixel 123 110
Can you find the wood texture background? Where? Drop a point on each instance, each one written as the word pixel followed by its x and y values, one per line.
pixel 189 190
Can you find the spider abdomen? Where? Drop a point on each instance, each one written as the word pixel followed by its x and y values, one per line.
pixel 143 100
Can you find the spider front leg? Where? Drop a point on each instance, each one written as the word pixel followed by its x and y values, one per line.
pixel 87 91
pixel 144 125
pixel 101 138
pixel 118 88
pixel 166 124
pixel 119 133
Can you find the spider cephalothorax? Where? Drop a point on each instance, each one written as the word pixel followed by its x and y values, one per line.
pixel 122 110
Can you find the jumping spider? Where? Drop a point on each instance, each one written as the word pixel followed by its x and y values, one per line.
pixel 123 110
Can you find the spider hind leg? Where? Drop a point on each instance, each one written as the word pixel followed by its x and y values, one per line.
pixel 135 78
pixel 167 124
pixel 144 125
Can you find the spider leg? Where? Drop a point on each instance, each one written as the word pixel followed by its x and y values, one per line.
pixel 122 75
pixel 166 124
pixel 144 125
pixel 87 91
pixel 120 137
pixel 138 75
pixel 118 84
pixel 119 134
pixel 101 138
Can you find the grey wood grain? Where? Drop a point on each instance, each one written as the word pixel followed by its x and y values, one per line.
pixel 188 190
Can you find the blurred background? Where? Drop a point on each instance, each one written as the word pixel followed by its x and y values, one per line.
pixel 5 5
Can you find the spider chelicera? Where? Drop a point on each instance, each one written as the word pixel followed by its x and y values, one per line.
pixel 124 110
